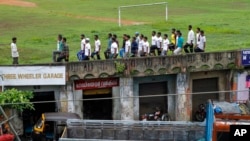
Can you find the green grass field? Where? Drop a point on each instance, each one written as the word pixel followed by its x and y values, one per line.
pixel 225 23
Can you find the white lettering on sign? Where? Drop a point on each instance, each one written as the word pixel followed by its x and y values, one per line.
pixel 246 52
pixel 240 132
pixel 36 75
pixel 96 83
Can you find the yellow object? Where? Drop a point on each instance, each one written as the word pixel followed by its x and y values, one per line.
pixel 39 126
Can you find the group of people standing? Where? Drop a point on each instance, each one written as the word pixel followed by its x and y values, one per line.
pixel 137 46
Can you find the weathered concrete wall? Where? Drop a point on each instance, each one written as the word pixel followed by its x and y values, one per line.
pixel 78 104
pixel 243 93
pixel 127 101
pixel 116 115
pixel 182 99
pixel 151 79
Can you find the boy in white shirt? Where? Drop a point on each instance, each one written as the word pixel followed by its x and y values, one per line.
pixel 127 46
pixel 140 45
pixel 202 44
pixel 87 50
pixel 159 43
pixel 114 49
pixel 153 43
pixel 97 48
pixel 165 45
pixel 146 48
pixel 14 51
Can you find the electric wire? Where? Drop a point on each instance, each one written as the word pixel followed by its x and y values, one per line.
pixel 128 97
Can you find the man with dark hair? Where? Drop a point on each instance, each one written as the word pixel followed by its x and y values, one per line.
pixel 97 48
pixel 146 48
pixel 165 45
pixel 172 45
pixel 59 47
pixel 140 45
pixel 190 40
pixel 198 30
pixel 65 51
pixel 14 51
pixel 179 43
pixel 159 43
pixel 114 49
pixel 87 50
pixel 127 47
pixel 134 47
pixel 202 43
pixel 107 52
pixel 153 43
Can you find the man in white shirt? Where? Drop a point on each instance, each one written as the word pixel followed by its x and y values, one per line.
pixel 127 47
pixel 114 49
pixel 97 48
pixel 202 44
pixel 190 40
pixel 146 48
pixel 165 44
pixel 14 51
pixel 87 50
pixel 140 45
pixel 153 43
pixel 198 30
pixel 159 43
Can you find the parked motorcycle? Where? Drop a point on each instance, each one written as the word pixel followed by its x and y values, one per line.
pixel 200 114
pixel 156 116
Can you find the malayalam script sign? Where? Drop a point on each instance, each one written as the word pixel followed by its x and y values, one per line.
pixel 245 60
pixel 96 83
pixel 33 75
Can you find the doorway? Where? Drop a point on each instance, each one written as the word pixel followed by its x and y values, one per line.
pixel 99 109
pixel 147 105
pixel 203 85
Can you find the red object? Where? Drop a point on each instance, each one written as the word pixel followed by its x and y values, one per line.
pixel 88 84
pixel 7 137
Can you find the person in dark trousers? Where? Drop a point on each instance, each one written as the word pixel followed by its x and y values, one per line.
pixel 59 47
pixel 134 47
pixel 153 43
pixel 97 48
pixel 107 51
pixel 14 51
pixel 202 44
pixel 65 51
pixel 190 40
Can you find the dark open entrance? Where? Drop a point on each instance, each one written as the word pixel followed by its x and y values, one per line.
pixel 97 109
pixel 147 105
pixel 30 117
pixel 203 85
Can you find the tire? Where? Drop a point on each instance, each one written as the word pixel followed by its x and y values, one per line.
pixel 165 117
pixel 200 116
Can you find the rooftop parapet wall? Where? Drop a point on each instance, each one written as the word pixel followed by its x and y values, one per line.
pixel 155 65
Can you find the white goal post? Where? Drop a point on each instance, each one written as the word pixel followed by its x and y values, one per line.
pixel 149 4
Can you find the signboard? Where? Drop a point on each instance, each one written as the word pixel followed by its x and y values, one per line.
pixel 245 60
pixel 33 75
pixel 96 83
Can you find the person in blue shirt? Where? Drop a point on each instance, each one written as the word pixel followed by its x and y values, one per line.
pixel 180 41
pixel 134 47
pixel 107 51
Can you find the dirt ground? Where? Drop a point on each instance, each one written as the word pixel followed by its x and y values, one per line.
pixel 17 3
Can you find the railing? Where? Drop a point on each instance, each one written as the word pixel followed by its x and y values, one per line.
pixel 155 65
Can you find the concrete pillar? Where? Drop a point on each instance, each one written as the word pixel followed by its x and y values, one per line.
pixel 182 100
pixel 71 108
pixel 63 100
pixel 127 103
pixel 78 103
pixel 116 115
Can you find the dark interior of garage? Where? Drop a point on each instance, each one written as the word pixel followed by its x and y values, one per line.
pixel 97 109
pixel 30 117
pixel 203 85
pixel 148 105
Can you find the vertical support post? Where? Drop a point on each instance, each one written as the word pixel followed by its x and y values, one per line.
pixel 166 11
pixel 119 16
